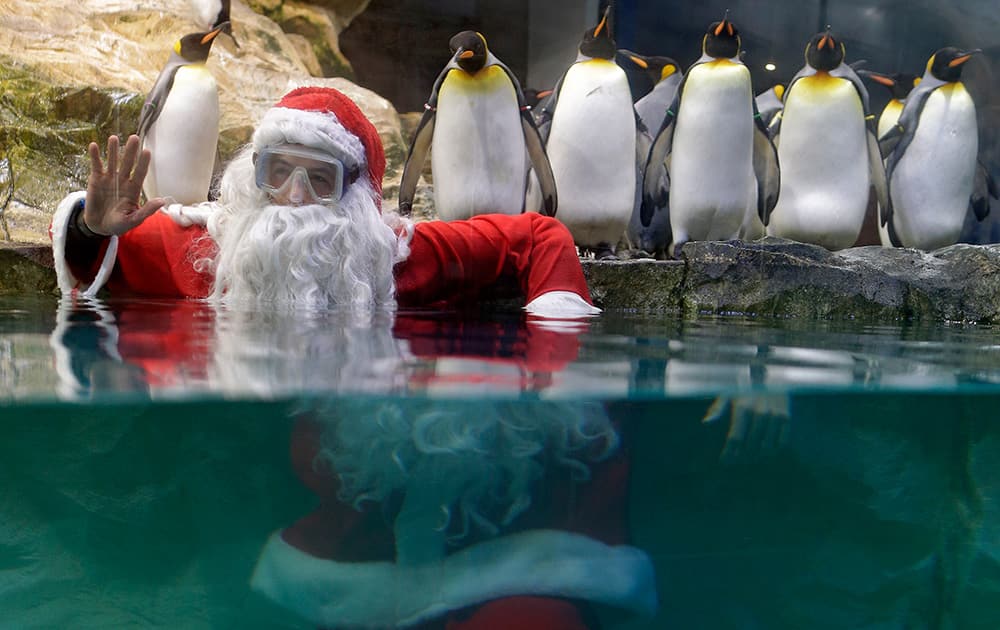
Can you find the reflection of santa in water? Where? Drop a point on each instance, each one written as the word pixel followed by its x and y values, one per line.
pixel 460 514
pixel 288 245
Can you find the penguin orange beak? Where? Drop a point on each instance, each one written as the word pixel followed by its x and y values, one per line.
pixel 884 80
pixel 603 23
pixel 639 62
pixel 466 54
pixel 209 36
pixel 544 93
pixel 957 61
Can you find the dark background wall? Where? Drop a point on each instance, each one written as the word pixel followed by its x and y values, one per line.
pixel 398 48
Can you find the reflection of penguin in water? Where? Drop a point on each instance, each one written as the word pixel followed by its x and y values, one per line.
pixel 665 74
pixel 932 167
pixel 179 123
pixel 899 85
pixel 482 131
pixel 592 144
pixel 828 152
pixel 720 163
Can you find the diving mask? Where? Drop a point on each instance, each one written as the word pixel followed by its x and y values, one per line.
pixel 320 176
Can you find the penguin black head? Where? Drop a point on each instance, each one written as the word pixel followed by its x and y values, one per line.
pixel 824 52
pixel 598 43
pixel 946 64
pixel 195 47
pixel 722 39
pixel 469 49
pixel 655 68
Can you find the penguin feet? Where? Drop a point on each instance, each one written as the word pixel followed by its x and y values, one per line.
pixel 675 249
pixel 603 251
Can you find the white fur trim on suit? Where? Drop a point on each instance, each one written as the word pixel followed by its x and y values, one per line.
pixel 284 125
pixel 385 594
pixel 186 216
pixel 64 276
pixel 561 305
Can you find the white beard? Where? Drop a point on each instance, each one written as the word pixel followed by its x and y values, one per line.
pixel 312 257
pixel 479 462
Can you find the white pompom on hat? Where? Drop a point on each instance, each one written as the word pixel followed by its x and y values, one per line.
pixel 325 119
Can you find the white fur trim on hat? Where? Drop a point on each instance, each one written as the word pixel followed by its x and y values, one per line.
pixel 64 275
pixel 317 130
pixel 385 594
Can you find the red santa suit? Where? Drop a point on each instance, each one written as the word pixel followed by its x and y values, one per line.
pixel 450 264
pixel 567 548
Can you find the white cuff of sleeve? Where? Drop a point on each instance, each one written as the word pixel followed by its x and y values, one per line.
pixel 384 594
pixel 561 305
pixel 64 275
pixel 186 216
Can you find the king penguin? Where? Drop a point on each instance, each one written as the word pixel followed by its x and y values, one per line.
pixel 665 75
pixel 721 168
pixel 932 159
pixel 483 134
pixel 828 152
pixel 591 144
pixel 179 123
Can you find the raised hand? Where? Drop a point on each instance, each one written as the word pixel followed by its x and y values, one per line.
pixel 112 205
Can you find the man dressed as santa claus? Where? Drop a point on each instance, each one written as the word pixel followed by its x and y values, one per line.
pixel 474 535
pixel 298 223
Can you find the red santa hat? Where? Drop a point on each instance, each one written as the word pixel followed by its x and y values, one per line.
pixel 324 118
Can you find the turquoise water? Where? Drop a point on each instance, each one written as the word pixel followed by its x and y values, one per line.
pixel 849 479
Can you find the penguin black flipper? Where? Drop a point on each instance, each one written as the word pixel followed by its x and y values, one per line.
pixel 546 110
pixel 983 188
pixel 895 142
pixel 153 104
pixel 765 168
pixel 536 149
pixel 420 145
pixel 656 177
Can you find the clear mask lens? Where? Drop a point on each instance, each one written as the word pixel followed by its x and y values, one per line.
pixel 299 174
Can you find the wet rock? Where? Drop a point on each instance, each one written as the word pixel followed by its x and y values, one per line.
pixel 74 71
pixel 26 269
pixel 778 278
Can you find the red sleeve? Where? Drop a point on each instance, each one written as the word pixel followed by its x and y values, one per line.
pixel 457 262
pixel 155 259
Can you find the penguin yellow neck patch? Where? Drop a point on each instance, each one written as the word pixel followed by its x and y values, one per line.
pixel 489 78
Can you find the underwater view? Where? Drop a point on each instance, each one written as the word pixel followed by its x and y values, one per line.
pixel 460 315
pixel 169 465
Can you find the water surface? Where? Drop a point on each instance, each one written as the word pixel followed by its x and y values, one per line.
pixel 150 448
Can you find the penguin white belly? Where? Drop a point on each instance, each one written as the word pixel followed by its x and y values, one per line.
pixel 478 155
pixel 711 163
pixel 591 148
pixel 933 180
pixel 184 137
pixel 823 152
